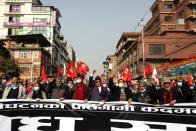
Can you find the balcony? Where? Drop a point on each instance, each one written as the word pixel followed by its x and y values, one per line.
pixel 21 24
pixel 17 1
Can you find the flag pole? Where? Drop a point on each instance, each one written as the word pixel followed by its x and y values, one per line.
pixel 142 25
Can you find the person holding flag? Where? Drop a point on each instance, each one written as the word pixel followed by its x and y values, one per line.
pixel 80 90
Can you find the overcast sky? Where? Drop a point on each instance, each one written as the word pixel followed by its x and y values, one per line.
pixel 93 27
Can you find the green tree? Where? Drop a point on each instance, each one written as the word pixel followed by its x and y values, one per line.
pixel 10 67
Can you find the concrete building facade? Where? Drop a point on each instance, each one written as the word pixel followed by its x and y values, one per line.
pixel 24 17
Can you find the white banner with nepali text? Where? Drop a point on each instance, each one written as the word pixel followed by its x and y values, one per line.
pixel 73 115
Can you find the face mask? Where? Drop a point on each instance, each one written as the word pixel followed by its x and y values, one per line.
pixel 78 81
pixel 58 84
pixel 70 85
pixel 74 82
pixel 9 83
pixel 167 88
pixel 4 81
pixel 121 84
pixel 179 83
pixel 191 87
pixel 104 85
pixel 36 88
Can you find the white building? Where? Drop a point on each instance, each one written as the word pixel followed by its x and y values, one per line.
pixel 71 53
pixel 22 17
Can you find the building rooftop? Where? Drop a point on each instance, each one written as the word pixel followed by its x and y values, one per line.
pixel 127 35
pixel 31 39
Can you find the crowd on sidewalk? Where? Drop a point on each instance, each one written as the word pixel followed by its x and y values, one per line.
pixel 99 88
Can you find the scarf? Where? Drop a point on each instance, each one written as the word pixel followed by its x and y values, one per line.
pixel 80 92
pixel 170 96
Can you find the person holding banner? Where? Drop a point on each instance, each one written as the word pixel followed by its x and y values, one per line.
pixel 165 94
pixel 80 90
pixel 120 92
pixel 69 88
pixel 143 95
pixel 14 90
pixel 99 93
pixel 37 93
pixel 58 89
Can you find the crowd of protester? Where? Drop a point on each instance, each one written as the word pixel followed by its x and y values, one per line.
pixel 98 88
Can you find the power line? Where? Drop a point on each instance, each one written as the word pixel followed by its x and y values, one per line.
pixel 138 24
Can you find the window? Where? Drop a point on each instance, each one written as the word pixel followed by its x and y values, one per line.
pixel 168 7
pixel 40 9
pixel 25 68
pixel 40 30
pixel 168 19
pixel 35 68
pixel 194 9
pixel 14 8
pixel 179 21
pixel 194 21
pixel 157 49
pixel 14 19
pixel 25 54
pixel 13 31
pixel 35 54
pixel 44 20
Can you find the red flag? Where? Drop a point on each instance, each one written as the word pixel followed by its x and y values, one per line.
pixel 44 78
pixel 79 70
pixel 190 79
pixel 148 71
pixel 71 72
pixel 126 75
pixel 82 68
pixel 60 71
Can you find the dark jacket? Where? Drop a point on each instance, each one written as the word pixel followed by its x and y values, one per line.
pixel 58 91
pixel 179 94
pixel 116 91
pixel 192 95
pixel 2 87
pixel 151 89
pixel 96 96
pixel 143 97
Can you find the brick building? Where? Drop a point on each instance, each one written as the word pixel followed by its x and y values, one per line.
pixel 172 17
pixel 169 36
pixel 29 52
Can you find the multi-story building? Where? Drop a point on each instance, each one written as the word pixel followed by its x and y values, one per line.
pixel 123 50
pixel 110 66
pixel 169 36
pixel 71 53
pixel 30 54
pixel 22 17
pixel 172 17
